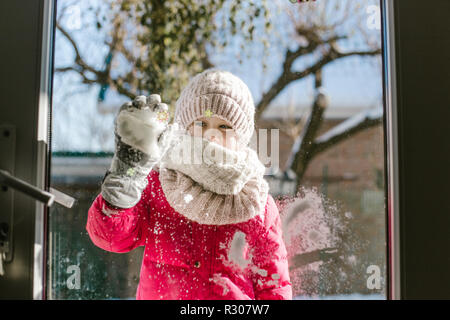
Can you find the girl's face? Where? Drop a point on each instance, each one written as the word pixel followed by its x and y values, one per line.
pixel 216 130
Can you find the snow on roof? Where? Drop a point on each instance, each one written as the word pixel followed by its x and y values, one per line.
pixel 76 169
pixel 333 112
pixel 351 122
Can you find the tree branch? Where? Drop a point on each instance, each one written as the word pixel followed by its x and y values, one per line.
pixel 102 76
pixel 346 129
pixel 300 152
pixel 78 59
pixel 287 76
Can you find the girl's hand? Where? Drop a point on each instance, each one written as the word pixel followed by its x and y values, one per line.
pixel 141 122
pixel 138 126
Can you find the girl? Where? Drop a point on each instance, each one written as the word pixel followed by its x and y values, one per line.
pixel 210 228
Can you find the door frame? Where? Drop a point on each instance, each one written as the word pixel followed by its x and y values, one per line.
pixel 44 146
pixel 418 110
pixel 25 88
pixel 391 144
pixel 32 117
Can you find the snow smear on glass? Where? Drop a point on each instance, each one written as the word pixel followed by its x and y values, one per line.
pixel 326 255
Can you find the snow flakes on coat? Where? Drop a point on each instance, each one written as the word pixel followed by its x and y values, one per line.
pixel 187 260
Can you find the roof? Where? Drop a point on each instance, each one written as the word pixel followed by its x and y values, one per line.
pixel 76 167
pixel 335 112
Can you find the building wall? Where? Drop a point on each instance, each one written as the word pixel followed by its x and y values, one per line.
pixel 357 162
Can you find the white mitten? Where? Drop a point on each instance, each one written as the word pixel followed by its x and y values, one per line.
pixel 141 136
pixel 141 122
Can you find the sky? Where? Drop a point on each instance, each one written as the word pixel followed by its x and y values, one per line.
pixel 77 125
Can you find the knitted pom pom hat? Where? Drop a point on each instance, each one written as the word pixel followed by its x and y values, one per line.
pixel 216 92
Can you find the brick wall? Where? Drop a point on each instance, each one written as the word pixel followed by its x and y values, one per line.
pixel 352 163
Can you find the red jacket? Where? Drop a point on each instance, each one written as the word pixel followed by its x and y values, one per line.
pixel 187 260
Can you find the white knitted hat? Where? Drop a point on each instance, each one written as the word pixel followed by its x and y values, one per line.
pixel 224 95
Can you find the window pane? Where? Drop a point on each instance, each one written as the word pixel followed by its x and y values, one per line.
pixel 315 73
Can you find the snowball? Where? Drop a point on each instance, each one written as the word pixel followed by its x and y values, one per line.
pixel 188 198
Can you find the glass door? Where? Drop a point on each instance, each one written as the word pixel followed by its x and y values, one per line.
pixel 316 75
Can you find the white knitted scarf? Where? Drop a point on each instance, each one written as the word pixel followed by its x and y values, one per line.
pixel 211 184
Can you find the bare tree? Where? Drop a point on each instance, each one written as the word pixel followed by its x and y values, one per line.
pixel 164 43
pixel 319 29
pixel 161 44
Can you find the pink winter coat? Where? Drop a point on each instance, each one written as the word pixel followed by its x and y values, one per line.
pixel 187 260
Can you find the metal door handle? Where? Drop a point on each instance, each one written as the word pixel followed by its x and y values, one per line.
pixel 8 180
pixel 44 196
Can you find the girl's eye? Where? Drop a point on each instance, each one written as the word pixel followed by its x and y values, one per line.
pixel 200 123
pixel 224 126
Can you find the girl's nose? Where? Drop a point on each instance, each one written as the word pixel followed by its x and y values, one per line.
pixel 213 139
pixel 213 136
